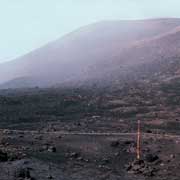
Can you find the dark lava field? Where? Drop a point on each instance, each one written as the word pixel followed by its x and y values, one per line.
pixel 90 132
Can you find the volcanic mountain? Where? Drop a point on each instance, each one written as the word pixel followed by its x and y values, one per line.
pixel 102 52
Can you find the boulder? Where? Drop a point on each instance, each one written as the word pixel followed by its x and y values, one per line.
pixel 114 143
pixel 52 149
pixel 74 155
pixel 3 156
pixel 23 173
pixel 140 167
pixel 151 158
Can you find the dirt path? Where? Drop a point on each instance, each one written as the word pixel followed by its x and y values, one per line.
pixel 144 135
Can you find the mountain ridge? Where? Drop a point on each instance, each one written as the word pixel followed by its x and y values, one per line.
pixel 95 50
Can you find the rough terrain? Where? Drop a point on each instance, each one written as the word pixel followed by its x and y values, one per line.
pixel 90 133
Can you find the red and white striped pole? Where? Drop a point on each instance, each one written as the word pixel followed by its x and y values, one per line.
pixel 138 150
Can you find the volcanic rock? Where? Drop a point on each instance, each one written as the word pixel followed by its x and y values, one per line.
pixel 3 156
pixel 114 143
pixel 151 158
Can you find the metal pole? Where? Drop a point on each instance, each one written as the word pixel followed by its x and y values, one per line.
pixel 139 140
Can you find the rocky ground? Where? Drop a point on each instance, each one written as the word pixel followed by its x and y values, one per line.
pixel 34 155
pixel 90 133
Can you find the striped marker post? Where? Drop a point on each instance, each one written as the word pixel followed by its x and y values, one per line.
pixel 138 150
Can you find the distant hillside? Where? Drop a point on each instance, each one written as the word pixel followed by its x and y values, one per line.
pixel 101 52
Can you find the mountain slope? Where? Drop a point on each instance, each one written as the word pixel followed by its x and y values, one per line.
pixel 95 52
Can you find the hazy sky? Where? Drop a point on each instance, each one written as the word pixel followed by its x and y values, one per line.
pixel 28 24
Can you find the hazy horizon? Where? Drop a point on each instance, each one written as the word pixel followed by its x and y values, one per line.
pixel 30 25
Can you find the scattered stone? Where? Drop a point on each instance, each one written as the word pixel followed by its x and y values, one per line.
pixel 130 149
pixel 59 136
pixel 7 132
pixel 114 143
pixel 151 158
pixel 141 167
pixel 77 124
pixel 105 161
pixel 86 160
pixel 3 156
pixel 149 131
pixel 74 155
pixel 116 154
pixel 80 158
pixel 13 157
pixel 44 147
pixel 50 177
pixel 127 142
pixel 172 156
pixel 128 167
pixel 39 137
pixel 21 136
pixel 4 142
pixel 162 164
pixel 149 172
pixel 23 173
pixel 52 149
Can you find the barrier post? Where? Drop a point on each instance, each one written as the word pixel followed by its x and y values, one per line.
pixel 138 150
